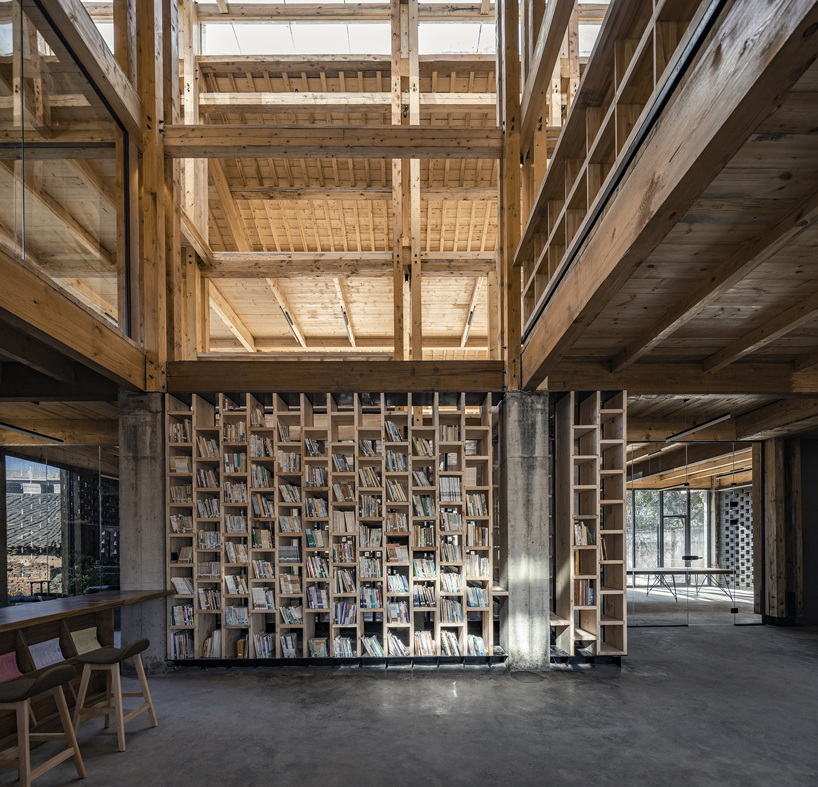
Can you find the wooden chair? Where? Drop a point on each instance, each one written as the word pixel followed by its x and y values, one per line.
pixel 16 695
pixel 108 660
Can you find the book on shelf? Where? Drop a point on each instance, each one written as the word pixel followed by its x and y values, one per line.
pixel 449 488
pixel 451 611
pixel 235 493
pixel 451 582
pixel 368 506
pixel 315 476
pixel 182 585
pixel 476 504
pixel 317 597
pixel 180 432
pixel 206 478
pixel 451 520
pixel 262 539
pixel 369 567
pixel 584 536
pixel 371 597
pixel 313 446
pixel 343 552
pixel 397 612
pixel 180 523
pixel 289 553
pixel 181 615
pixel 477 597
pixel 344 522
pixel 236 552
pixel 290 584
pixel 396 462
pixel 263 569
pixel 315 507
pixel 283 432
pixel 263 507
pixel 231 406
pixel 395 492
pixel 289 524
pixel 372 646
pixel 449 433
pixel 477 565
pixel 236 616
pixel 424 568
pixel 261 477
pixel 370 537
pixel 424 644
pixel 584 593
pixel 395 646
pixel 212 646
pixel 235 523
pixel 473 447
pixel 318 647
pixel 185 555
pixel 397 553
pixel 343 493
pixel 422 447
pixel 471 476
pixel 604 544
pixel 292 615
pixel 181 464
pixel 235 584
pixel 235 432
pixel 475 646
pixel 208 447
pixel 449 462
pixel 393 432
pixel 208 508
pixel 210 569
pixel 344 613
pixel 368 477
pixel 424 505
pixel 235 463
pixel 181 645
pixel 317 567
pixel 450 550
pixel 288 461
pixel 421 478
pixel 476 535
pixel 344 580
pixel 181 493
pixel 256 418
pixel 397 583
pixel 397 522
pixel 265 646
pixel 369 447
pixel 343 463
pixel 262 447
pixel 423 596
pixel 316 538
pixel 263 598
pixel 289 645
pixel 449 644
pixel 343 648
pixel 290 493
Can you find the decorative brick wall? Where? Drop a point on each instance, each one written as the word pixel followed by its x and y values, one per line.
pixel 734 533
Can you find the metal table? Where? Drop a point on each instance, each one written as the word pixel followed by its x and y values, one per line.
pixel 703 573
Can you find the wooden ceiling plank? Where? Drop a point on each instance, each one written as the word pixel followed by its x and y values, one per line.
pixel 779 419
pixel 228 205
pixel 231 319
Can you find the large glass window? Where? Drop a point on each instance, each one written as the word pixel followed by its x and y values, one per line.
pixel 60 200
pixel 62 529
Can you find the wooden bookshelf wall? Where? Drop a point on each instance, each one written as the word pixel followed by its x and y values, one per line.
pixel 407 468
pixel 589 611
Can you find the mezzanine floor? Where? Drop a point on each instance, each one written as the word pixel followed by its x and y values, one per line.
pixel 705 705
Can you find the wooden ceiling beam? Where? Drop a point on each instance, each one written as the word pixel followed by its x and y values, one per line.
pixel 735 81
pixel 196 241
pixel 342 298
pixel 743 262
pixel 764 334
pixel 341 344
pixel 260 374
pixel 779 419
pixel 344 142
pixel 228 205
pixel 70 432
pixel 363 193
pixel 20 383
pixel 681 457
pixel 18 346
pixel 231 319
pixel 659 429
pixel 287 312
pixel 475 295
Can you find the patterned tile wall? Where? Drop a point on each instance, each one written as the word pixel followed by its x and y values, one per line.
pixel 734 533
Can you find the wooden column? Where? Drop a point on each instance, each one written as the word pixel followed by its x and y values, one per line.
pixel 510 185
pixel 398 278
pixel 783 571
pixel 125 37
pixel 416 333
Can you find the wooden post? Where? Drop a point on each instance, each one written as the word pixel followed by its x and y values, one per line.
pixel 416 335
pixel 125 37
pixel 397 192
pixel 573 56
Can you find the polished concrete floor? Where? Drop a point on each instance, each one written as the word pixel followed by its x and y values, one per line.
pixel 710 606
pixel 696 706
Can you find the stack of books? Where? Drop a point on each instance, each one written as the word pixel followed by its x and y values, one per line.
pixel 475 646
pixel 236 616
pixel 316 538
pixel 317 567
pixel 343 648
pixel 209 599
pixel 235 584
pixel 397 522
pixel 317 598
pixel 449 645
pixel 345 613
pixel 423 596
pixel 292 616
pixel 318 648
pixel 344 581
pixel 315 477
pixel 451 611
pixel 181 644
pixel 290 584
pixel 343 552
pixel 424 644
pixel 180 432
pixel 395 646
pixel 265 646
pixel 263 569
pixel 397 583
pixel 477 597
pixel 449 488
pixel 263 598
pixel 477 565
pixel 212 647
pixel 397 553
pixel 182 585
pixel 289 645
pixel 372 646
pixel 397 612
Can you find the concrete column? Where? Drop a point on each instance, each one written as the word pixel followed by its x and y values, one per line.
pixel 524 515
pixel 142 519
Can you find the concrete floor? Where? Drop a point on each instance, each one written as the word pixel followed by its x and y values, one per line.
pixel 697 706
pixel 709 607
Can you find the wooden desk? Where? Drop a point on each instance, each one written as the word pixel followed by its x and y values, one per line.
pixel 36 621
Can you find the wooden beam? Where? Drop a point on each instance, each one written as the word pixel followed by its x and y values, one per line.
pixel 683 379
pixel 231 319
pixel 228 205
pixel 543 61
pixel 70 432
pixel 642 430
pixel 780 419
pixel 196 241
pixel 410 20
pixel 734 87
pixel 124 21
pixel 287 312
pixel 739 265
pixel 764 334
pixel 342 298
pixel 682 457
pixel 33 303
pixel 475 295
pixel 21 383
pixel 363 193
pixel 18 346
pixel 89 47
pixel 314 344
pixel 346 142
pixel 338 377
pixel 287 102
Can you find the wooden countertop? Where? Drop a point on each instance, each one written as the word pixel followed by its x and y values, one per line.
pixel 33 613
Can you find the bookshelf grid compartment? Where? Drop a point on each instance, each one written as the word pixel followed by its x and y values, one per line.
pixel 299 528
pixel 590 611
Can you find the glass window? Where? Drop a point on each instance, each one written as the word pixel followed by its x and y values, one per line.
pixel 646 528
pixel 699 541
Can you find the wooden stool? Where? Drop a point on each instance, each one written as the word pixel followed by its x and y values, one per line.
pixel 16 695
pixel 108 660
